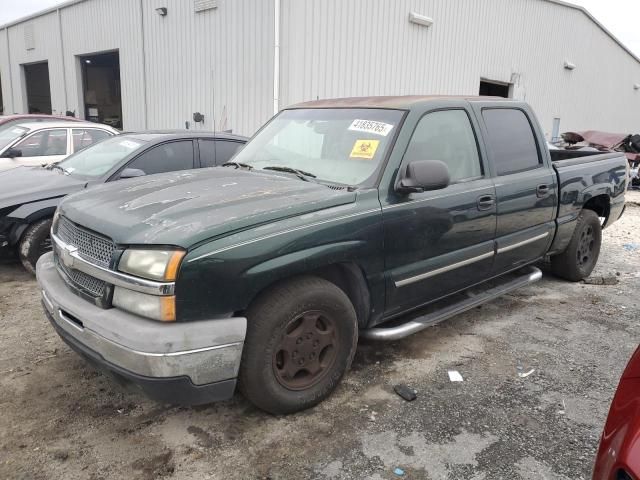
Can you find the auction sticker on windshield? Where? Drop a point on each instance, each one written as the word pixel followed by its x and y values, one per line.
pixel 129 144
pixel 371 126
pixel 365 149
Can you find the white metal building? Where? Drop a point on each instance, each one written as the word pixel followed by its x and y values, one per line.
pixel 153 63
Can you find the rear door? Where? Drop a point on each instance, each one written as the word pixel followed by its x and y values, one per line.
pixel 81 138
pixel 441 241
pixel 526 186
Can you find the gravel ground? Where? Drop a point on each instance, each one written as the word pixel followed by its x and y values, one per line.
pixel 61 419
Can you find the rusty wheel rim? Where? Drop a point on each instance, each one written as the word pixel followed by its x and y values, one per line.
pixel 586 246
pixel 306 350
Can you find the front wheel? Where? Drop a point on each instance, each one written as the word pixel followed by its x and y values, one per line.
pixel 581 255
pixel 34 243
pixel 301 339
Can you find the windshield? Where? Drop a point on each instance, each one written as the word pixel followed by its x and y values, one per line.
pixel 345 146
pixel 9 135
pixel 98 159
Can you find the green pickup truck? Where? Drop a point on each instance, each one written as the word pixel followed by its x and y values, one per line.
pixel 363 217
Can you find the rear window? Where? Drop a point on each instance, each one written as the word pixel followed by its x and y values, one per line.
pixel 511 139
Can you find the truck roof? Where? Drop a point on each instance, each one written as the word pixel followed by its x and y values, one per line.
pixel 398 102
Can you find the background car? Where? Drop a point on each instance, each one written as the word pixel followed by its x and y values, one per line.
pixel 42 143
pixel 7 121
pixel 113 121
pixel 619 453
pixel 30 195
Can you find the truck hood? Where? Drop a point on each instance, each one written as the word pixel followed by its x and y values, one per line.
pixel 186 208
pixel 29 184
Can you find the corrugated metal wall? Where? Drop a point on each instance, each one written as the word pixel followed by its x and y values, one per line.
pixel 335 48
pixel 220 57
pixel 217 62
pixel 220 62
pixel 101 26
pixel 46 43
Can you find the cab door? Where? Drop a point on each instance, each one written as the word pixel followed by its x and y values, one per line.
pixel 439 242
pixel 526 187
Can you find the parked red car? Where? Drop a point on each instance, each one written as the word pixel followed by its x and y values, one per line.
pixel 619 454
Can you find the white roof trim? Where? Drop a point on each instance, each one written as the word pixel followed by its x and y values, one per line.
pixel 557 2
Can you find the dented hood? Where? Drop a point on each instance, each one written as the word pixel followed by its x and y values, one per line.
pixel 30 184
pixel 185 208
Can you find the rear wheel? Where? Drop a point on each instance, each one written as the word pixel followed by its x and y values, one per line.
pixel 301 339
pixel 581 255
pixel 35 242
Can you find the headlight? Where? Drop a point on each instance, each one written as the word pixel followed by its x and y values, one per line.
pixel 159 265
pixel 149 306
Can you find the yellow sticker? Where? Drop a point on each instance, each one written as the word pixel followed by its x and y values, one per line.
pixel 365 149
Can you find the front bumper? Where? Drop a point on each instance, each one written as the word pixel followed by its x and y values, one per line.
pixel 187 363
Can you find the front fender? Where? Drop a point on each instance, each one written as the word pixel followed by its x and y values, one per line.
pixel 224 276
pixel 26 214
pixel 34 211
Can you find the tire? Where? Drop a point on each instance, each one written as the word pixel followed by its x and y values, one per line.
pixel 308 318
pixel 34 243
pixel 581 255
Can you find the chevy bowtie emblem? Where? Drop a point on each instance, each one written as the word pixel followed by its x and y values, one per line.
pixel 66 256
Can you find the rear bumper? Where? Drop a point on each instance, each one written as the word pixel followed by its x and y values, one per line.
pixel 185 363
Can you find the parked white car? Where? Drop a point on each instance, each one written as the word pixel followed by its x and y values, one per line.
pixel 42 143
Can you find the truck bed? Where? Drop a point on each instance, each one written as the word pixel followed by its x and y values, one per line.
pixel 587 177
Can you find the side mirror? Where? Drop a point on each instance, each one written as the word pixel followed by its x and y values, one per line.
pixel 12 153
pixel 132 173
pixel 424 175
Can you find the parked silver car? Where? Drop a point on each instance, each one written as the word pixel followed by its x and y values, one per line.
pixel 43 143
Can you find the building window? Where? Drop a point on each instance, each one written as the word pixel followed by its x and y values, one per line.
pixel 494 89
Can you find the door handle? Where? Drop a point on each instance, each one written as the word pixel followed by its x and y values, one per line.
pixel 542 190
pixel 486 202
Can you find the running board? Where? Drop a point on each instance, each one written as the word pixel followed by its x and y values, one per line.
pixel 459 303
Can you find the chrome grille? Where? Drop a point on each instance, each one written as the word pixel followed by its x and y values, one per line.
pixel 91 247
pixel 81 280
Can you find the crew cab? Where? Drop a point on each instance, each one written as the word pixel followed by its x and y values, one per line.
pixel 360 217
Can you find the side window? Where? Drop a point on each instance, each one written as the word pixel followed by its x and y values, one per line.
pixel 447 136
pixel 213 153
pixel 44 143
pixel 83 137
pixel 167 157
pixel 225 150
pixel 511 139
pixel 207 153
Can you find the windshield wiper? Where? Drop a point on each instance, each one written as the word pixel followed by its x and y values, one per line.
pixel 57 167
pixel 237 165
pixel 301 174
